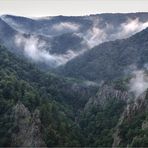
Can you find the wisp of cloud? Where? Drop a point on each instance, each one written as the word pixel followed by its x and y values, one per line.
pixel 139 82
pixel 66 26
pixel 96 35
pixel 36 50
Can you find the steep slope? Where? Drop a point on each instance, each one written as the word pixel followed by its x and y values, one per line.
pixel 28 127
pixel 42 109
pixel 101 114
pixel 67 42
pixel 110 60
pixel 132 130
pixel 7 35
pixel 115 118
pixel 43 50
pixel 39 109
pixel 23 89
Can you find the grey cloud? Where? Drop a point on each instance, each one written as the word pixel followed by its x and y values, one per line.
pixel 129 28
pixel 66 26
pixel 96 35
pixel 139 82
pixel 35 49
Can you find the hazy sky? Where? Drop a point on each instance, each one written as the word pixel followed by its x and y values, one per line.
pixel 70 7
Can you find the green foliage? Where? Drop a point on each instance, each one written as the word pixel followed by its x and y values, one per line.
pixel 58 128
pixel 131 129
pixel 61 102
pixel 140 141
pixel 55 97
pixel 6 122
pixel 108 61
pixel 98 123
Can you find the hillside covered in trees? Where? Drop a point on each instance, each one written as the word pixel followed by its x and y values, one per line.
pixel 74 81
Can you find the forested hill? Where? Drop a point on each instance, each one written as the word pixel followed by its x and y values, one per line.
pixel 41 109
pixel 99 97
pixel 109 60
pixel 24 89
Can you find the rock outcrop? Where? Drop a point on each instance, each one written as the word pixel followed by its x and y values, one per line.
pixel 106 93
pixel 27 128
pixel 139 105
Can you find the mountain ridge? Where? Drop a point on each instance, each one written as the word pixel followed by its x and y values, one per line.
pixel 134 46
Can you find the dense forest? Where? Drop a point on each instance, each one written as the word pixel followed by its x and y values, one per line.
pixel 74 81
pixel 66 118
pixel 22 82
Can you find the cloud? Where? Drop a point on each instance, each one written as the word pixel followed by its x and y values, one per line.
pixel 96 35
pixel 36 50
pixel 91 83
pixel 66 26
pixel 139 82
pixel 133 26
pixel 130 28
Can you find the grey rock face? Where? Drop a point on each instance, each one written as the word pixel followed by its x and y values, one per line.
pixel 138 105
pixel 145 125
pixel 105 93
pixel 28 128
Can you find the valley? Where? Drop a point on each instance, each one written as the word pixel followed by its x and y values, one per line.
pixel 74 81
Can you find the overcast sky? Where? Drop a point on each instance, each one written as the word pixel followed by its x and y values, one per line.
pixel 39 8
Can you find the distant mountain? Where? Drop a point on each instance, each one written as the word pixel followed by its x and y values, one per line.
pixel 60 39
pixel 110 60
pixel 7 35
pixel 52 26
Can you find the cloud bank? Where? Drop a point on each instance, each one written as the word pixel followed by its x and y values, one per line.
pixel 36 50
pixel 131 27
pixel 96 35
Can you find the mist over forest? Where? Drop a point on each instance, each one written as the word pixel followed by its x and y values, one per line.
pixel 74 81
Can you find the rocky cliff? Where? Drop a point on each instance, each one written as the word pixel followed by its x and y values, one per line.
pixel 27 127
pixel 132 123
